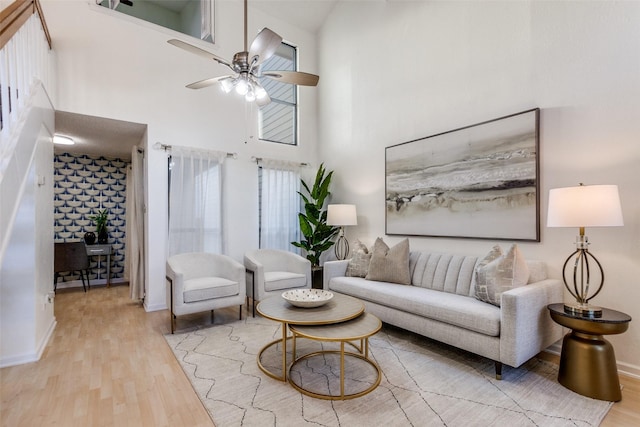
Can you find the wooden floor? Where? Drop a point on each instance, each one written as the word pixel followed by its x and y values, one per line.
pixel 108 364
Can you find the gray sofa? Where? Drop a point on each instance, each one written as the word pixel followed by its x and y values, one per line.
pixel 440 304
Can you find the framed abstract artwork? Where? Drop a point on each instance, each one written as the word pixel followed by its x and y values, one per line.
pixel 480 181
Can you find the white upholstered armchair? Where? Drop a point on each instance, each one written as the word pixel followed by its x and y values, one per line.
pixel 271 272
pixel 202 281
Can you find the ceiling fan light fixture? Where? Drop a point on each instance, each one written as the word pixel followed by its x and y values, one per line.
pixel 227 85
pixel 242 87
pixel 260 92
pixel 250 96
pixel 62 140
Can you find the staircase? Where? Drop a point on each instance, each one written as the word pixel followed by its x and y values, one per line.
pixel 26 183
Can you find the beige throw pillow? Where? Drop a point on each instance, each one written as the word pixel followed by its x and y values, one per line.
pixel 390 264
pixel 498 274
pixel 359 263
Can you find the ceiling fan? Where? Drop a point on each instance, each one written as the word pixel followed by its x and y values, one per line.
pixel 246 67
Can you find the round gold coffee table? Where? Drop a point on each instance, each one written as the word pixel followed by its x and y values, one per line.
pixel 339 309
pixel 360 328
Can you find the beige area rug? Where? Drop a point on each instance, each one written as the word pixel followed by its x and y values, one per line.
pixel 424 383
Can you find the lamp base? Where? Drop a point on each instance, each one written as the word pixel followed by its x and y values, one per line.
pixel 342 247
pixel 583 310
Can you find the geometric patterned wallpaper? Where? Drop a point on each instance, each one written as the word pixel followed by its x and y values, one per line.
pixel 81 183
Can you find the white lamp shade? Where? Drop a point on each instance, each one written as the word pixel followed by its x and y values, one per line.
pixel 584 206
pixel 342 215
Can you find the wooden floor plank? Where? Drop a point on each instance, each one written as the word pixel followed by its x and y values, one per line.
pixel 108 364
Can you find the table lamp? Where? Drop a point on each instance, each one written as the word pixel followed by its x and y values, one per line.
pixel 341 216
pixel 584 206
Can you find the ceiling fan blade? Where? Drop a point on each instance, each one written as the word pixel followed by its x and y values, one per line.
pixel 263 46
pixel 200 52
pixel 207 82
pixel 293 77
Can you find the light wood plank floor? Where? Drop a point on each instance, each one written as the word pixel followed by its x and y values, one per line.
pixel 108 364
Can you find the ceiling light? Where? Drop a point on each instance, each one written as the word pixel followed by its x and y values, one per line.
pixel 260 92
pixel 227 85
pixel 242 87
pixel 62 140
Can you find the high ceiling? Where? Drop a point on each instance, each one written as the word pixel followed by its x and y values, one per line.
pixel 98 136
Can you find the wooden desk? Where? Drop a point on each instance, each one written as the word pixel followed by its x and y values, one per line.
pixel 101 250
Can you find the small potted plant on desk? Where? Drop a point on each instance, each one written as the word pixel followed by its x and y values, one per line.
pixel 100 219
pixel 313 223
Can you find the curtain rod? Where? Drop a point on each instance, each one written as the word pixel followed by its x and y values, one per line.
pixel 259 159
pixel 167 147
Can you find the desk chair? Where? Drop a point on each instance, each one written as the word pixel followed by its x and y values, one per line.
pixel 70 256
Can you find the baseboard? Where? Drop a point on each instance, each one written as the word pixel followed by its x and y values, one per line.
pixel 30 357
pixel 629 370
pixel 94 282
pixel 155 307
pixel 46 338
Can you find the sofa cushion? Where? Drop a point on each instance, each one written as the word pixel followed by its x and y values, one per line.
pixel 458 310
pixel 359 263
pixel 204 288
pixel 444 272
pixel 390 264
pixel 501 274
pixel 276 280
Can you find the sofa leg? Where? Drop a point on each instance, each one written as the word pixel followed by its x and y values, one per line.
pixel 498 370
pixel 212 317
pixel 173 322
pixel 240 311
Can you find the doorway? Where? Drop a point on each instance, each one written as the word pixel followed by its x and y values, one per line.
pixel 101 173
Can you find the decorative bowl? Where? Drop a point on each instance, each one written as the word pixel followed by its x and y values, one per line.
pixel 307 298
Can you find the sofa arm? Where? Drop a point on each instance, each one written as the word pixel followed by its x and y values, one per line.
pixel 333 269
pixel 526 328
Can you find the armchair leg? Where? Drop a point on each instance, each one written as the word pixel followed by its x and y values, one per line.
pixel 212 317
pixel 240 311
pixel 172 316
pixel 498 370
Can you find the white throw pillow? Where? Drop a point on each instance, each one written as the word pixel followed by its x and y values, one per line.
pixel 498 273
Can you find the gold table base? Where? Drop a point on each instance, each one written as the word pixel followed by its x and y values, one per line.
pixel 588 362
pixel 342 354
pixel 588 367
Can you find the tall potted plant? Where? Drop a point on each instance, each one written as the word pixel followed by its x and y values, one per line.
pixel 313 221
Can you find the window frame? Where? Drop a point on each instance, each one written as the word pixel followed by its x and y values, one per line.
pixel 296 110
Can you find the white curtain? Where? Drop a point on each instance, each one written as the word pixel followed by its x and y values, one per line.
pixel 195 201
pixel 279 205
pixel 134 267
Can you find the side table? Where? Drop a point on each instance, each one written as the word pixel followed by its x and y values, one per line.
pixel 588 362
pixel 101 250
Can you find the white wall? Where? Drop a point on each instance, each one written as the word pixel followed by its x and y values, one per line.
pixel 113 67
pixel 396 71
pixel 26 272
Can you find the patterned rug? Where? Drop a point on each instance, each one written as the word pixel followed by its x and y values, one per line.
pixel 424 383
